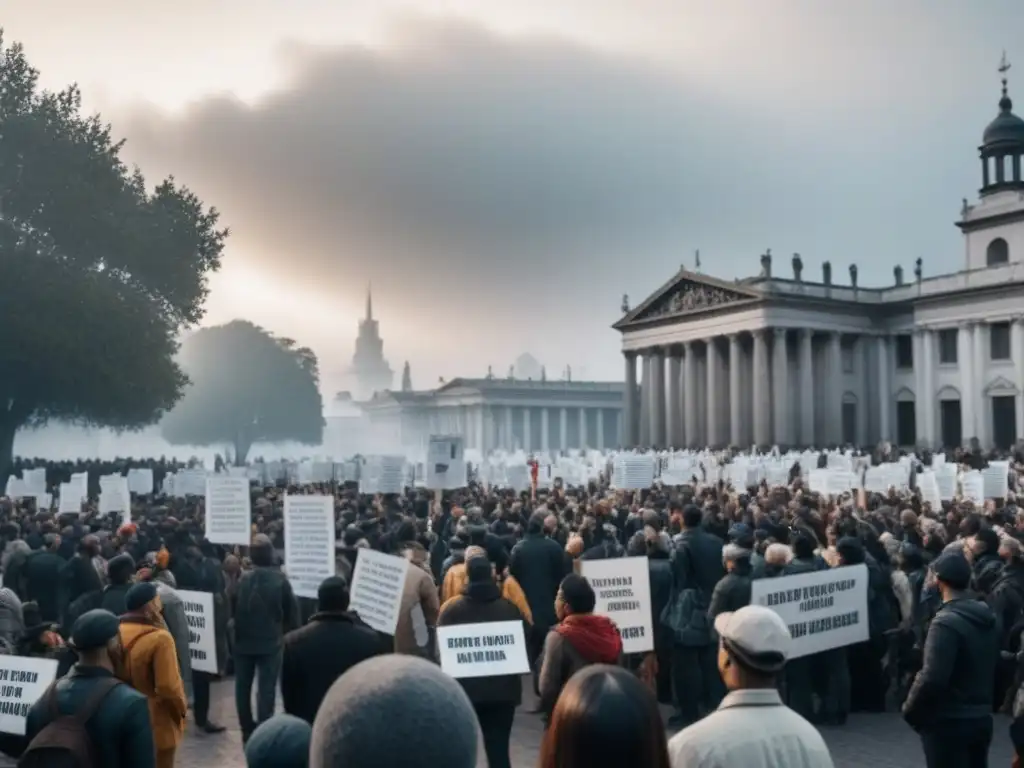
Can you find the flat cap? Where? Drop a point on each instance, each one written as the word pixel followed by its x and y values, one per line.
pixel 139 595
pixel 94 629
pixel 953 569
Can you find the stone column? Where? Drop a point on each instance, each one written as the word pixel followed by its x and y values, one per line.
pixel 864 396
pixel 600 429
pixel 983 414
pixel 510 437
pixel 644 435
pixel 675 436
pixel 630 417
pixel 807 436
pixel 884 389
pixel 658 398
pixel 1017 353
pixel 544 444
pixel 527 436
pixel 563 429
pixel 583 428
pixel 690 395
pixel 834 390
pixel 930 408
pixel 480 439
pixel 762 392
pixel 735 394
pixel 965 366
pixel 780 387
pixel 714 386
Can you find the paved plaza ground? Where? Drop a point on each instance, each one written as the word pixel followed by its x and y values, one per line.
pixel 866 741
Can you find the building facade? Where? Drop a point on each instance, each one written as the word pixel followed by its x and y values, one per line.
pixel 504 414
pixel 369 370
pixel 793 361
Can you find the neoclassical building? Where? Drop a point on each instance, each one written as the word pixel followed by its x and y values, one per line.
pixel 506 413
pixel 793 360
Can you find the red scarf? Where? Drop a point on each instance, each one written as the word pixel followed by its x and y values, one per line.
pixel 595 638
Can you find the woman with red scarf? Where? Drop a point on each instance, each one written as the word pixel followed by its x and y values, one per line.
pixel 580 639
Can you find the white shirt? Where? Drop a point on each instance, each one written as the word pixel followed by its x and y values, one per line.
pixel 753 729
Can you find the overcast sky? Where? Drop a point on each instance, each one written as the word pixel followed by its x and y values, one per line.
pixel 504 172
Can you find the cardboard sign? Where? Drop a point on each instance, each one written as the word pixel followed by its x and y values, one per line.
pixel 446 463
pixel 228 511
pixel 22 682
pixel 377 585
pixel 623 589
pixel 308 542
pixel 202 638
pixel 823 610
pixel 489 649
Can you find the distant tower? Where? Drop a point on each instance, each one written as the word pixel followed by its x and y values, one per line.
pixel 406 378
pixel 369 368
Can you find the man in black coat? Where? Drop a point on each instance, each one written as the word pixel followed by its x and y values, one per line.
pixel 119 727
pixel 494 698
pixel 43 571
pixel 319 653
pixel 950 702
pixel 538 564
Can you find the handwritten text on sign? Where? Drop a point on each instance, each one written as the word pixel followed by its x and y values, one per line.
pixel 22 681
pixel 623 590
pixel 377 585
pixel 823 610
pixel 308 542
pixel 202 638
pixel 228 510
pixel 488 649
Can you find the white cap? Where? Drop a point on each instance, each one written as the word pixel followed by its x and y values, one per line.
pixel 757 635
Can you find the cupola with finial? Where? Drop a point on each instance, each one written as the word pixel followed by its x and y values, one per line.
pixel 1002 145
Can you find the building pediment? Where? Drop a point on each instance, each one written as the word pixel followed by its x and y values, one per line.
pixel 690 293
pixel 1000 385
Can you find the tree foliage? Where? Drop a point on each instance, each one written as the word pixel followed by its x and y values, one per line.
pixel 98 276
pixel 248 386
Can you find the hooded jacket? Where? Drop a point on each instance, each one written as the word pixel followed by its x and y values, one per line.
pixel 958 671
pixel 579 641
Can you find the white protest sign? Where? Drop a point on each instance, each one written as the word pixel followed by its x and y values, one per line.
pixel 377 585
pixel 633 471
pixel 488 649
pixel 308 542
pixel 70 500
pixel 623 589
pixel 382 474
pixel 115 496
pixel 22 681
pixel 202 638
pixel 823 610
pixel 228 511
pixel 140 480
pixel 446 463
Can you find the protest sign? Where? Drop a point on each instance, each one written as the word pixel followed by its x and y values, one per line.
pixel 633 471
pixel 202 638
pixel 22 681
pixel 377 585
pixel 308 542
pixel 228 514
pixel 446 463
pixel 623 590
pixel 823 609
pixel 488 649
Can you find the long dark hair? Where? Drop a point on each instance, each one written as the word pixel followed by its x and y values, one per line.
pixel 605 718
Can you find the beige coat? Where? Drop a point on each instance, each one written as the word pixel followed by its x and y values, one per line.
pixel 420 606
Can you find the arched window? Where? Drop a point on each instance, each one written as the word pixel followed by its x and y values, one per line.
pixel 998 253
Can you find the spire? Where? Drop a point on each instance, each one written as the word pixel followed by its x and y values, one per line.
pixel 369 301
pixel 1005 104
pixel 406 378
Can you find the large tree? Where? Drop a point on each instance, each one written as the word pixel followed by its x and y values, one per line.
pixel 248 386
pixel 98 275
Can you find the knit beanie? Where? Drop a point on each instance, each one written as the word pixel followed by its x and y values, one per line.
pixel 395 712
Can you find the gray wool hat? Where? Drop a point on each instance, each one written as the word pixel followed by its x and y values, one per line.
pixel 394 712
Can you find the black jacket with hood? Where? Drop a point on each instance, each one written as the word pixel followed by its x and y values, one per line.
pixel 958 671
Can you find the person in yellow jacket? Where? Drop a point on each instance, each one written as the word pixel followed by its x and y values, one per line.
pixel 150 666
pixel 455 582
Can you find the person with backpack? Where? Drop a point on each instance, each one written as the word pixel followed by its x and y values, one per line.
pixel 90 719
pixel 151 667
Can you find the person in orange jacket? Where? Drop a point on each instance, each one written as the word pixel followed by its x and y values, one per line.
pixel 150 665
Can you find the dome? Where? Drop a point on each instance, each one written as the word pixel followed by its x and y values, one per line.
pixel 1007 127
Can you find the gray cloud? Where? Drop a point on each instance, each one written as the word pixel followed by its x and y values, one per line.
pixel 532 178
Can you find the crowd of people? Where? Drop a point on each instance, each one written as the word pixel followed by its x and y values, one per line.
pixel 945 610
